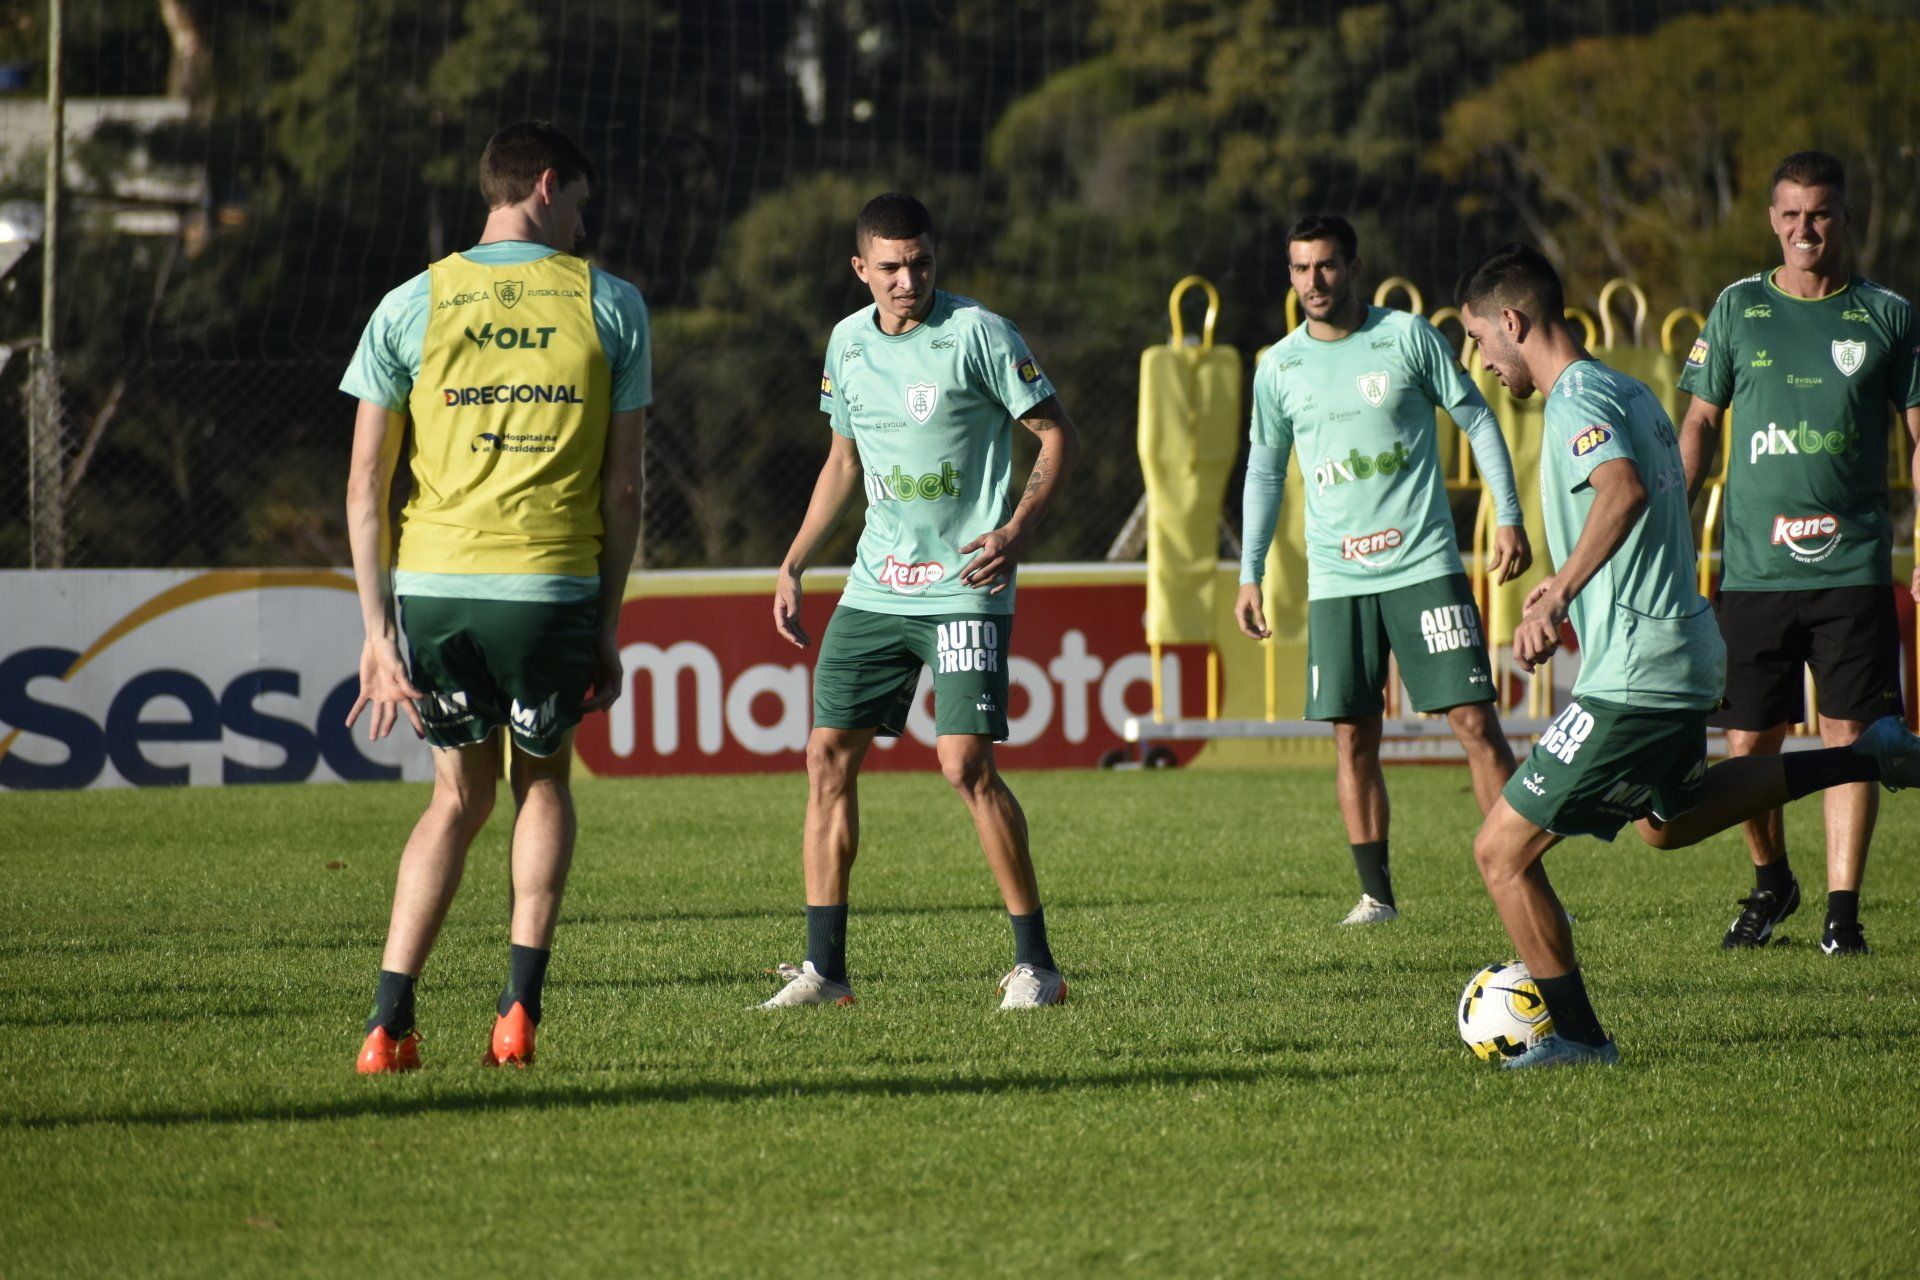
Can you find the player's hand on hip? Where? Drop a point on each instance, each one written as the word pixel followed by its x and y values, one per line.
pixel 1248 612
pixel 999 551
pixel 603 689
pixel 786 610
pixel 1512 553
pixel 385 687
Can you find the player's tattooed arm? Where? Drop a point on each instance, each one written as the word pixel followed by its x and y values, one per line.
pixel 1001 549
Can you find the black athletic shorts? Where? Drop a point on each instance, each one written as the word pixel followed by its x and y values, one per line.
pixel 1849 636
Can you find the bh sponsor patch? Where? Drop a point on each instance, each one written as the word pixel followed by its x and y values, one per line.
pixel 1029 371
pixel 1589 439
pixel 826 385
pixel 1698 356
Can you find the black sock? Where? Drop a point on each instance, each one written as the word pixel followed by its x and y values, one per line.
pixel 1572 1012
pixel 1843 909
pixel 827 941
pixel 1773 877
pixel 526 974
pixel 1030 939
pixel 1811 771
pixel 1370 860
pixel 392 1004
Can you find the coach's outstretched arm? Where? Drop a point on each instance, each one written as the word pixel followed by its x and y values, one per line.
pixel 621 471
pixel 833 492
pixel 1619 500
pixel 377 433
pixel 1003 548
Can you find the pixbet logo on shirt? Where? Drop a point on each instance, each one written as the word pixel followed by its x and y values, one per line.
pixel 1368 545
pixel 911 579
pixel 1359 466
pixel 1775 443
pixel 898 486
pixel 971 644
pixel 1807 538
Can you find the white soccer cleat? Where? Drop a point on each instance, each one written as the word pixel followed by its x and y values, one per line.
pixel 806 985
pixel 1031 987
pixel 1370 910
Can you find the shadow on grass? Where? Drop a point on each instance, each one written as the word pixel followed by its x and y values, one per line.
pixel 380 1100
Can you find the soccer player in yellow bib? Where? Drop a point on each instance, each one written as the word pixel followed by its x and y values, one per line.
pixel 525 375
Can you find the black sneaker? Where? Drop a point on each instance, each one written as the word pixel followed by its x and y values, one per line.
pixel 1845 940
pixel 1765 909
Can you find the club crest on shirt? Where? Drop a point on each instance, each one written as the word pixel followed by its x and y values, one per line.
pixel 1848 356
pixel 1589 439
pixel 509 292
pixel 1698 356
pixel 1373 386
pixel 921 399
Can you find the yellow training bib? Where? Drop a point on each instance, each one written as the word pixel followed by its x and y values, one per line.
pixel 509 422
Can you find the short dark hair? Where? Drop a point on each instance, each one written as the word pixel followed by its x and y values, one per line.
pixel 1811 169
pixel 893 215
pixel 1517 276
pixel 517 155
pixel 1326 226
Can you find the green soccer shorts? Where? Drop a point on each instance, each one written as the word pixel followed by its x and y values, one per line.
pixel 481 664
pixel 1433 627
pixel 1600 766
pixel 869 669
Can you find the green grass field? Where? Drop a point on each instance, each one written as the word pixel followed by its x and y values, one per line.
pixel 1237 1087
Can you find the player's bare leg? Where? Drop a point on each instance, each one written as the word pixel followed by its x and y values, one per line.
pixel 1851 810
pixel 436 852
pixel 968 764
pixel 1361 788
pixel 539 855
pixel 832 836
pixel 1490 759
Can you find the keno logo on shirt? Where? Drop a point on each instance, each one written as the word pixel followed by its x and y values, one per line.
pixel 1589 439
pixel 1369 544
pixel 911 579
pixel 1807 537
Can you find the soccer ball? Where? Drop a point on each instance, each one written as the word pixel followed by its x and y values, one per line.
pixel 1502 1013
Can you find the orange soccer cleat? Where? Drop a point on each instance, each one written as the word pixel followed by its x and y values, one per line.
pixel 512 1039
pixel 382 1054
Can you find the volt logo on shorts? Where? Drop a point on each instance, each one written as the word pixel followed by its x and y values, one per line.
pixel 1358 466
pixel 1536 783
pixel 1807 538
pixel 897 486
pixel 512 393
pixel 1450 627
pixel 1803 439
pixel 969 645
pixel 911 579
pixel 508 338
pixel 1564 736
pixel 1368 546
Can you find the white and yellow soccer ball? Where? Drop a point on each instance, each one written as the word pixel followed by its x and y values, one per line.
pixel 1502 1012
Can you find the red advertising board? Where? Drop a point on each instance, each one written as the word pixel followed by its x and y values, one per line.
pixel 711 688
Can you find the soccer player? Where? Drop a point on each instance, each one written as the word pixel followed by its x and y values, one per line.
pixel 922 389
pixel 1631 744
pixel 1808 356
pixel 524 374
pixel 1353 391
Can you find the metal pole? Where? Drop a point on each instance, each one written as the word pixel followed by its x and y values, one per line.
pixel 46 448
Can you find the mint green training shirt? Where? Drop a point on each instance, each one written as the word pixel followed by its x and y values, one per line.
pixel 931 412
pixel 387 362
pixel 1359 413
pixel 1648 639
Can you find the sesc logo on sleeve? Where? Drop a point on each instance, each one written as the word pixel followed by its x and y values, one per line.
pixel 1698 356
pixel 1029 371
pixel 1589 439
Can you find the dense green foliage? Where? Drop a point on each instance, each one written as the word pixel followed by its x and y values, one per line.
pixel 1236 1087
